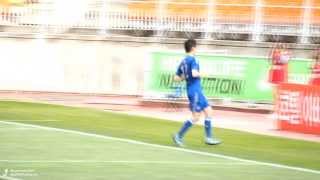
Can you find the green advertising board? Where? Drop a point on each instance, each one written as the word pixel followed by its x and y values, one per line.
pixel 241 78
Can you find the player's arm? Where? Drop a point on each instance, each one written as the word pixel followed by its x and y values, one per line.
pixel 178 78
pixel 179 75
pixel 195 73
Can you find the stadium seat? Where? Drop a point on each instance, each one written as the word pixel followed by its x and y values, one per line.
pixel 242 2
pixel 283 2
pixel 199 10
pixel 315 17
pixel 290 11
pixel 288 15
pixel 234 11
pixel 150 7
pixel 235 14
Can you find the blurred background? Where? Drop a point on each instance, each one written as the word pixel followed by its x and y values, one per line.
pixel 295 21
pixel 103 46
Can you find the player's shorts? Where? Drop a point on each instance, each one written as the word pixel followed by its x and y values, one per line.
pixel 198 102
pixel 278 74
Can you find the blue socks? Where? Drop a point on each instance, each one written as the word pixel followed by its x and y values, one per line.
pixel 208 128
pixel 186 126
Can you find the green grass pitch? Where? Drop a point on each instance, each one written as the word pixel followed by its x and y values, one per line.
pixel 98 145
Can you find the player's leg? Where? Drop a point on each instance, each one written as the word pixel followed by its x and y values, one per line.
pixel 209 139
pixel 206 108
pixel 178 138
pixel 188 123
pixel 208 121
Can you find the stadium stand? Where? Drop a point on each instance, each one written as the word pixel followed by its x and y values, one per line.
pixel 284 2
pixel 244 17
pixel 288 15
pixel 315 18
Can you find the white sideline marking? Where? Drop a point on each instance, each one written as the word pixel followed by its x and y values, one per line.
pixel 8 178
pixel 125 162
pixel 167 147
pixel 16 128
pixel 34 120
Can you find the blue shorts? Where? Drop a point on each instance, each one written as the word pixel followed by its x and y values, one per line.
pixel 198 102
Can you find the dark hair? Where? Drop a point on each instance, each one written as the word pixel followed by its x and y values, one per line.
pixel 189 44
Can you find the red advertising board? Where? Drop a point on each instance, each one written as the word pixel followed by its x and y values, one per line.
pixel 298 108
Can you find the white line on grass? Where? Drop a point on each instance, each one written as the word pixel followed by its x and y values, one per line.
pixel 8 178
pixel 16 128
pixel 125 162
pixel 166 147
pixel 49 120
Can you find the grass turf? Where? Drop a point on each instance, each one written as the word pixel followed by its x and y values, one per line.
pixel 44 154
pixel 238 144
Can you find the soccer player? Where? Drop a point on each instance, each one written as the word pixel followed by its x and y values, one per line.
pixel 279 70
pixel 278 73
pixel 189 70
pixel 315 78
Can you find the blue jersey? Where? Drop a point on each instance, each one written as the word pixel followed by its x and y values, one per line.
pixel 185 68
pixel 198 102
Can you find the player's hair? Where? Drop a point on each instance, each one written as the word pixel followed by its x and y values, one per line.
pixel 189 44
